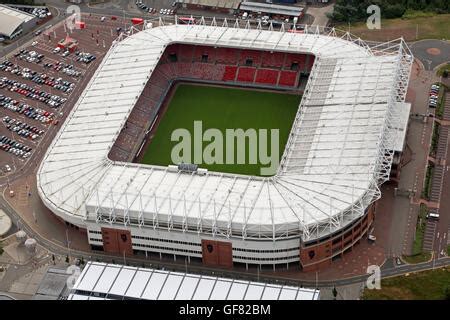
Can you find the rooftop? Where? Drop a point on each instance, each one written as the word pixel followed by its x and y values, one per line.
pixel 280 9
pixel 332 166
pixel 11 19
pixel 100 281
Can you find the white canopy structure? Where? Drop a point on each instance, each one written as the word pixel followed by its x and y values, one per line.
pixel 339 150
pixel 101 281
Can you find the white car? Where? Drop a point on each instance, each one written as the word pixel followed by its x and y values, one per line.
pixel 8 168
pixel 34 43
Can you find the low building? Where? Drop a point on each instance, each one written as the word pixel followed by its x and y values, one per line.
pixel 224 6
pixel 271 9
pixel 14 22
pixel 101 281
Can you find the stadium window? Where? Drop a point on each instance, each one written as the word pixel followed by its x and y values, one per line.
pixel 294 66
pixel 249 62
pixel 173 57
pixel 204 58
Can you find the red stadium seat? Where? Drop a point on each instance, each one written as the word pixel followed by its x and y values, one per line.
pixel 288 78
pixel 207 71
pixel 267 76
pixel 230 73
pixel 183 69
pixel 246 74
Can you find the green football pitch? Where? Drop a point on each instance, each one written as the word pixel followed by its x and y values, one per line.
pixel 222 108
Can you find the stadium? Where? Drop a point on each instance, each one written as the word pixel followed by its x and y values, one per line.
pixel 349 125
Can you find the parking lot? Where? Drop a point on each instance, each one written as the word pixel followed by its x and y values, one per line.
pixel 39 85
pixel 169 9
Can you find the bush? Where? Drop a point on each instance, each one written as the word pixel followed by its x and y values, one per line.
pixel 434 138
pixel 427 186
pixel 444 69
pixel 412 14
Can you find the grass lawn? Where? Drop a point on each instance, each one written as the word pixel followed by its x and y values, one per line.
pixel 418 255
pixel 426 285
pixel 427 183
pixel 222 108
pixel 420 230
pixel 441 99
pixel 432 27
pixel 417 258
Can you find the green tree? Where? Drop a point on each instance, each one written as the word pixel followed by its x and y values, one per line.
pixel 356 10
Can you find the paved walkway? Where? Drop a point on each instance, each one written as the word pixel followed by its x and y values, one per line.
pixel 405 210
pixel 320 14
pixel 439 229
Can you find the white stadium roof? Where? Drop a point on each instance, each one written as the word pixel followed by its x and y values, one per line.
pixel 337 155
pixel 101 281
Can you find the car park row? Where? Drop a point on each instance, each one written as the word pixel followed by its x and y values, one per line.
pixel 30 56
pixel 64 68
pixel 34 57
pixel 150 10
pixel 40 12
pixel 14 147
pixel 23 108
pixel 36 82
pixel 53 101
pixel 22 129
pixel 39 78
pixel 85 57
pixel 434 96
